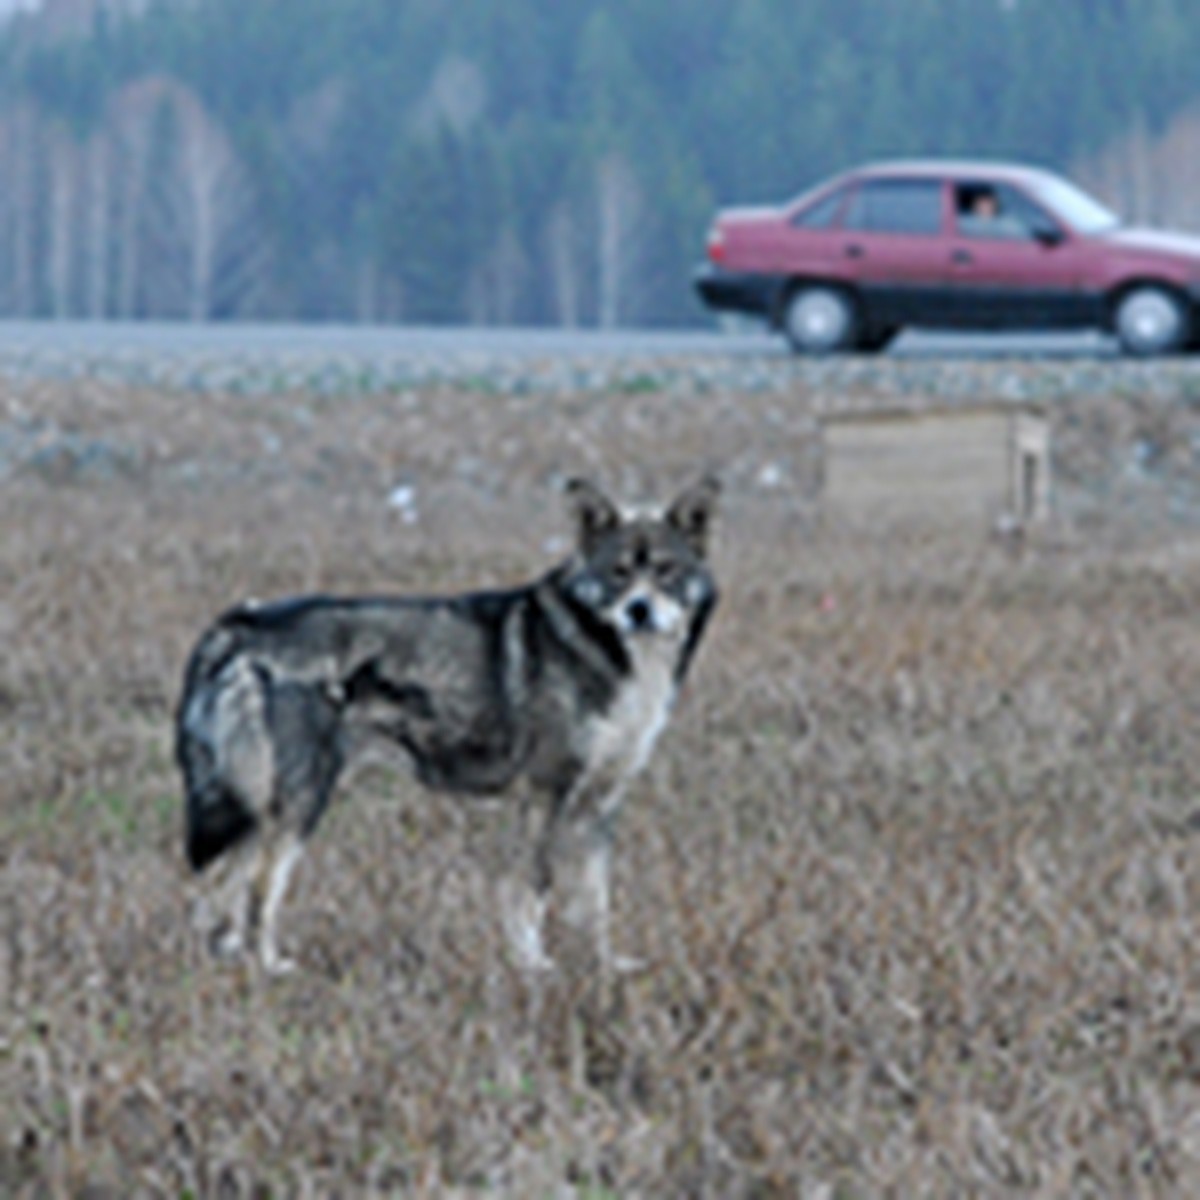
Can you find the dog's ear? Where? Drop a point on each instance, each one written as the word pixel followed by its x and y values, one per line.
pixel 692 512
pixel 595 513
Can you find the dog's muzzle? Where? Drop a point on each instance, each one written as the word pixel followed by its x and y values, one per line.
pixel 642 613
pixel 639 615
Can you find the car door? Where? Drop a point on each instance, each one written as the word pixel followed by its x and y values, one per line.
pixel 893 247
pixel 1012 264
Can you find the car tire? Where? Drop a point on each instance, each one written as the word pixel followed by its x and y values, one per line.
pixel 819 319
pixel 1150 320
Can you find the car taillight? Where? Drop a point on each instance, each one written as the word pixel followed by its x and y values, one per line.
pixel 716 244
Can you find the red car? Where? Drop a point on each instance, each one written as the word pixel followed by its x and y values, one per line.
pixel 951 245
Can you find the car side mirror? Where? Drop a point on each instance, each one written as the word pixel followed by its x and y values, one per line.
pixel 1048 235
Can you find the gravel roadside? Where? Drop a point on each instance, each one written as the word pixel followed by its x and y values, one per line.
pixel 1126 434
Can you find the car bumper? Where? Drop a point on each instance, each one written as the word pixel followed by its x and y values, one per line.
pixel 737 291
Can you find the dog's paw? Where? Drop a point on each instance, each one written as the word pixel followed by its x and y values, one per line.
pixel 522 914
pixel 534 964
pixel 277 965
pixel 624 964
pixel 528 955
pixel 225 942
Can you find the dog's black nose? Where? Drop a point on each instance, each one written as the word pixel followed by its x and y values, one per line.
pixel 640 614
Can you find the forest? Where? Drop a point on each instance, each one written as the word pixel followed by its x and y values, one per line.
pixel 516 162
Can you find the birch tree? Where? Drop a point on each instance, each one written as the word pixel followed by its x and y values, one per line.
pixel 562 253
pixel 618 214
pixel 97 225
pixel 131 118
pixel 63 171
pixel 190 240
pixel 22 197
pixel 1150 179
pixel 204 220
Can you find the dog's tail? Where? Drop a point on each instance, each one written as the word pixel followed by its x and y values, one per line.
pixel 223 746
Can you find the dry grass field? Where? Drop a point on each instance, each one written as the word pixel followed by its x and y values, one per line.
pixel 912 871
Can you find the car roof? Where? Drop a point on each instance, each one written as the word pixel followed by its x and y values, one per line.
pixel 939 168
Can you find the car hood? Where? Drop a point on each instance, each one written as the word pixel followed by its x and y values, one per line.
pixel 1157 241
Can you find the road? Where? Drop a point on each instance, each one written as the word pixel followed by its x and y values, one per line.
pixel 131 341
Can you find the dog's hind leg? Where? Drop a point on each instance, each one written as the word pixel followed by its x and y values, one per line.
pixel 226 915
pixel 280 863
pixel 306 735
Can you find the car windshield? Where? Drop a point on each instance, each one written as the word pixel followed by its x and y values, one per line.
pixel 1074 206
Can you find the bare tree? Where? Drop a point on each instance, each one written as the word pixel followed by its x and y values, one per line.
pixel 63 163
pixel 97 230
pixel 563 254
pixel 22 203
pixel 190 240
pixel 619 210
pixel 495 287
pixel 131 119
pixel 1150 179
pixel 7 213
pixel 210 239
pixel 1178 152
pixel 456 98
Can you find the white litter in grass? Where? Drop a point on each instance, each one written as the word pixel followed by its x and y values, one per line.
pixel 403 498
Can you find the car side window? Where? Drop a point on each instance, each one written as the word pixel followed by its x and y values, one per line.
pixel 823 213
pixel 997 210
pixel 896 206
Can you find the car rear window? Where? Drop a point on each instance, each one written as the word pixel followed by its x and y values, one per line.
pixel 821 214
pixel 896 206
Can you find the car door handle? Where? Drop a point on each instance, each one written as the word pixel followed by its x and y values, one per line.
pixel 962 258
pixel 852 250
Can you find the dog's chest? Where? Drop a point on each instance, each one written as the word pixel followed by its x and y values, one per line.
pixel 623 737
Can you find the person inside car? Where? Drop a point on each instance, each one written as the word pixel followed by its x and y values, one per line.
pixel 980 215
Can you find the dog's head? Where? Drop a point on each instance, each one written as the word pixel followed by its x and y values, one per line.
pixel 644 573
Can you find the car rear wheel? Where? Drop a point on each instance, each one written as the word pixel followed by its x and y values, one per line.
pixel 820 320
pixel 1151 320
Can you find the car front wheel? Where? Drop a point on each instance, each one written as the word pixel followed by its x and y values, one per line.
pixel 820 320
pixel 1151 320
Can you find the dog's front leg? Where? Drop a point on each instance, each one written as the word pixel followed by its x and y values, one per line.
pixel 523 917
pixel 575 858
pixel 586 887
pixel 506 850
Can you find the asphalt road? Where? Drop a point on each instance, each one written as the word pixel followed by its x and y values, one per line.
pixel 134 340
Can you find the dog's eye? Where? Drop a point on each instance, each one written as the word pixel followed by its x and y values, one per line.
pixel 588 590
pixel 665 572
pixel 621 573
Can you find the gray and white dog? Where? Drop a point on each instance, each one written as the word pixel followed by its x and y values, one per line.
pixel 553 692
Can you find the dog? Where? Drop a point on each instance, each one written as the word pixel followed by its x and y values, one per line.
pixel 552 694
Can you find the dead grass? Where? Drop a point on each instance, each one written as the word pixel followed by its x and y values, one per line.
pixel 912 870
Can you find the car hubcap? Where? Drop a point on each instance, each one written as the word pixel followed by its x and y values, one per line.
pixel 818 319
pixel 1149 319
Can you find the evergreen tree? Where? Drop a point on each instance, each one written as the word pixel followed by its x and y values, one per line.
pixel 507 159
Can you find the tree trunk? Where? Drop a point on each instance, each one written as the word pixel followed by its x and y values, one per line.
pixel 618 207
pixel 61 250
